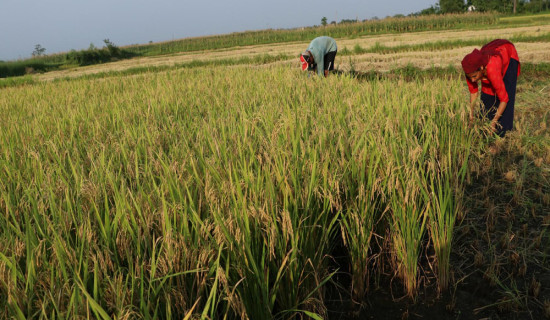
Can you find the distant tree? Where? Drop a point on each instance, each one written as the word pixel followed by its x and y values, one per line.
pixel 343 21
pixel 431 10
pixel 108 43
pixel 451 6
pixel 324 21
pixel 537 5
pixel 399 15
pixel 506 6
pixel 114 51
pixel 38 51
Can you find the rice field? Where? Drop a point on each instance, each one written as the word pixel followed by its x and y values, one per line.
pixel 410 42
pixel 235 192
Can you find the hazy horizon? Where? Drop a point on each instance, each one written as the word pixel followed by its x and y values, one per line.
pixel 64 25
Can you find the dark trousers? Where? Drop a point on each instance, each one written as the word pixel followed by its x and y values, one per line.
pixel 490 103
pixel 329 60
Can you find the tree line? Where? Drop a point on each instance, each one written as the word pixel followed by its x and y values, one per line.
pixel 503 6
pixel 40 62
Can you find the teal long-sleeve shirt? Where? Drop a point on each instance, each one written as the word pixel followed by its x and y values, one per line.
pixel 319 47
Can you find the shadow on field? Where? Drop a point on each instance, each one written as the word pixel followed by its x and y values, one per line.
pixel 502 247
pixel 499 258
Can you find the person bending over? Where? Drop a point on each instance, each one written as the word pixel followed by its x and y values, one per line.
pixel 497 66
pixel 319 55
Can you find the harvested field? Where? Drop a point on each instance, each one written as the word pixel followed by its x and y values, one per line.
pixel 530 52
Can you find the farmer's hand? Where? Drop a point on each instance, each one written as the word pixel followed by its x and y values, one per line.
pixel 494 125
pixel 471 120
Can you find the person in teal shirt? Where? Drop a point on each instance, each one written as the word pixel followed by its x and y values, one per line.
pixel 319 55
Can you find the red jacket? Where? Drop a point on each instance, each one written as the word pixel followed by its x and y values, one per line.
pixel 496 68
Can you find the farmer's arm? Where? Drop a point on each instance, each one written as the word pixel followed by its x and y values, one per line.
pixel 321 66
pixel 498 114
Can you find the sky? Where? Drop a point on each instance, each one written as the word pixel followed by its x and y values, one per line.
pixel 63 25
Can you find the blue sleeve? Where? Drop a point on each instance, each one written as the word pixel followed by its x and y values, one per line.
pixel 321 66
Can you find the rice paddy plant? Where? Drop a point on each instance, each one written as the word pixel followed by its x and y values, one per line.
pixel 401 157
pixel 443 187
pixel 423 140
pixel 364 191
pixel 215 193
pixel 93 210
pixel 407 219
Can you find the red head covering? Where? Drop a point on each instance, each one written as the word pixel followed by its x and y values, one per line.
pixel 473 61
pixel 305 59
pixel 304 62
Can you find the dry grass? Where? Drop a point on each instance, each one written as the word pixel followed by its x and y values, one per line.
pixel 528 52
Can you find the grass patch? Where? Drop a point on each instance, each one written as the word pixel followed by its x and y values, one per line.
pixel 525 19
pixel 436 45
pixel 23 67
pixel 256 60
pixel 17 81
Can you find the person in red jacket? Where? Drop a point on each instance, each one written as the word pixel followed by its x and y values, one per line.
pixel 497 66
